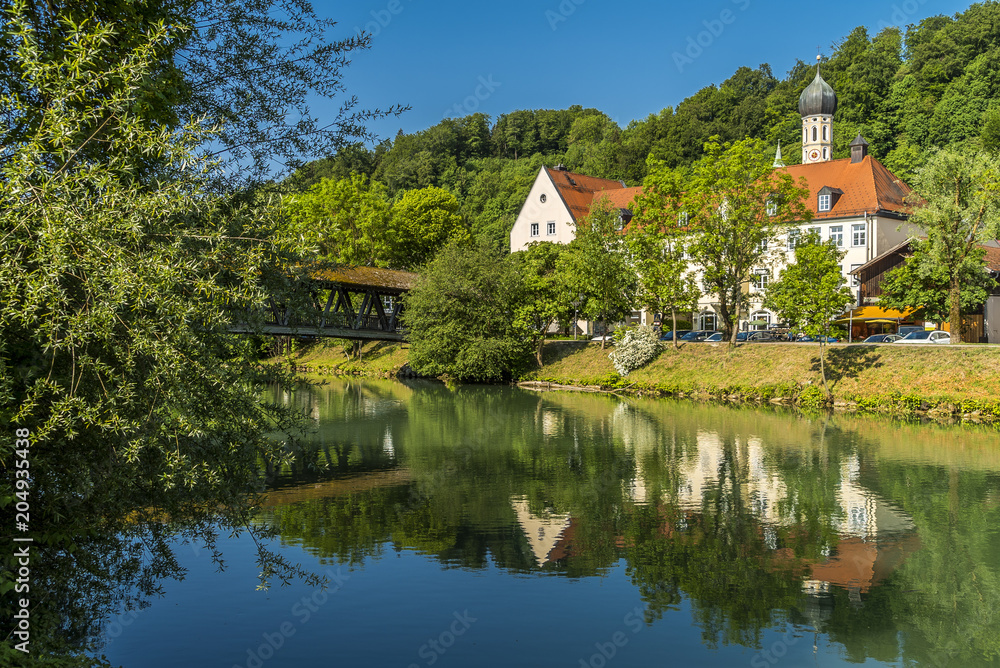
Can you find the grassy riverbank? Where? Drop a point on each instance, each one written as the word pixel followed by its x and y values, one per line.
pixel 379 359
pixel 947 380
pixel 897 379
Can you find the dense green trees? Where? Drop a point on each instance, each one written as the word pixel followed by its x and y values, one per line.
pixel 354 222
pixel 906 91
pixel 658 240
pixel 548 297
pixel 735 203
pixel 461 316
pixel 124 250
pixel 921 282
pixel 599 269
pixel 345 220
pixel 422 222
pixel 959 207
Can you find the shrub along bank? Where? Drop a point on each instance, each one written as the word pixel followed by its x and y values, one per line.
pixel 938 381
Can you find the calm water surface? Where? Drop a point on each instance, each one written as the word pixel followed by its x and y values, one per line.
pixel 487 526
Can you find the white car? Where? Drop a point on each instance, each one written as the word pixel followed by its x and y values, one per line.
pixel 926 336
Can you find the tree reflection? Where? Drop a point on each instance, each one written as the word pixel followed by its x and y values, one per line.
pixel 757 519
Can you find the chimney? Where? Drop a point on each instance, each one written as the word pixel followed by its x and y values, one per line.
pixel 560 167
pixel 859 149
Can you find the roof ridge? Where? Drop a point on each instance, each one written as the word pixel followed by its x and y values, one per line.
pixel 576 175
pixel 895 180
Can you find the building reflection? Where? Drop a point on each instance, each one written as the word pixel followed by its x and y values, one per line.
pixel 868 537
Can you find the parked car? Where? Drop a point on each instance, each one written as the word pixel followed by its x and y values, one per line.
pixel 906 329
pixel 610 338
pixel 698 336
pixel 882 338
pixel 926 336
pixel 762 336
pixel 669 336
pixel 717 337
pixel 816 339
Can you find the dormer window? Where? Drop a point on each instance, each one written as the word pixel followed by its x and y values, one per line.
pixel 772 207
pixel 827 198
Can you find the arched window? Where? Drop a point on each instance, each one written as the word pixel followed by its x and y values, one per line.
pixel 805 135
pixel 826 130
pixel 814 133
pixel 825 154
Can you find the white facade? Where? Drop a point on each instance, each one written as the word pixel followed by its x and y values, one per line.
pixel 544 216
pixel 862 239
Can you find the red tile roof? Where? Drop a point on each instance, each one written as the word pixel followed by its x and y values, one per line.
pixel 867 186
pixel 619 199
pixel 577 190
pixel 992 257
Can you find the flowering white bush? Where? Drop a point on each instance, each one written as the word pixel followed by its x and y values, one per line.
pixel 638 347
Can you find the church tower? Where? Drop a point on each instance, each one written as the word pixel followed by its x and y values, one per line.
pixel 817 105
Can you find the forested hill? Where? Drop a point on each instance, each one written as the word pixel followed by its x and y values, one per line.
pixel 933 84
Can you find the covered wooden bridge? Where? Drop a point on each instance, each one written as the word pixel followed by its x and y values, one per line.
pixel 360 303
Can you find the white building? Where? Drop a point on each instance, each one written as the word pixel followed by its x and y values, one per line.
pixel 856 202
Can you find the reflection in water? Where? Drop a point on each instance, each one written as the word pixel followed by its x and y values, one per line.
pixel 547 534
pixel 882 537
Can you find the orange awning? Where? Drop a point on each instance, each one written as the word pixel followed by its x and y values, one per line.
pixel 863 313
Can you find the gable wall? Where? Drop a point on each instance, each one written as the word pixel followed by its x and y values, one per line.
pixel 534 211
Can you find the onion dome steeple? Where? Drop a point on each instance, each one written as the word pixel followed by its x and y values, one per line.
pixel 817 104
pixel 818 98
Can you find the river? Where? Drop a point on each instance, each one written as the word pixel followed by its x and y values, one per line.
pixel 492 526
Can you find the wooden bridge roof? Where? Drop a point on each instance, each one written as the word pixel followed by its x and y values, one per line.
pixel 390 280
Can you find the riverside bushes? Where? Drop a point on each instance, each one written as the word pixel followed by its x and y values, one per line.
pixel 638 347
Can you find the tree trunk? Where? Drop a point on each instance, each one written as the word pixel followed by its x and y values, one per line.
pixel 673 332
pixel 604 336
pixel 538 351
pixel 955 313
pixel 733 328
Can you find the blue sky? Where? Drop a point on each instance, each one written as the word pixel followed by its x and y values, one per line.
pixel 628 59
